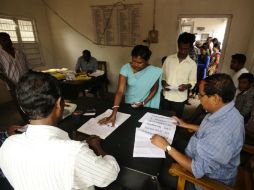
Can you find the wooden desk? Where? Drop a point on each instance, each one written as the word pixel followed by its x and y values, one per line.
pixel 81 82
pixel 72 88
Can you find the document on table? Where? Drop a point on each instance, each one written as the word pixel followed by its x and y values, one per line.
pixel 153 124
pixel 165 130
pixel 91 127
pixel 144 148
pixel 157 118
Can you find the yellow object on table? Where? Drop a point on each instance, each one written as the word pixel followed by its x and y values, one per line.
pixel 57 73
pixel 58 76
pixel 82 76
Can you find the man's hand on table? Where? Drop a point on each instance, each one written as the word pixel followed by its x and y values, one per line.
pixel 159 141
pixel 95 143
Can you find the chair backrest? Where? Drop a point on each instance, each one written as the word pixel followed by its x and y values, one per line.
pixel 102 65
pixel 12 88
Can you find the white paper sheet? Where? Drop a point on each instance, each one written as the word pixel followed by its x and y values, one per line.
pixel 165 130
pixel 157 118
pixel 153 124
pixel 144 148
pixel 97 73
pixel 91 127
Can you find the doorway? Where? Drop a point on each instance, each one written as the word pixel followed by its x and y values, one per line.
pixel 204 26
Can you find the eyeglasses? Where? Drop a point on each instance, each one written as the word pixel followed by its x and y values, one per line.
pixel 201 95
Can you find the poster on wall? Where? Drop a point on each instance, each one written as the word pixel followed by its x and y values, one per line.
pixel 117 24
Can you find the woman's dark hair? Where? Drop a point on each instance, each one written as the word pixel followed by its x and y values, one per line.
pixel 37 94
pixel 221 84
pixel 142 51
pixel 216 45
pixel 215 40
pixel 247 76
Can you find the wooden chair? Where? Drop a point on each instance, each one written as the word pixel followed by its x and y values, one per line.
pixel 12 88
pixel 247 177
pixel 205 182
pixel 102 65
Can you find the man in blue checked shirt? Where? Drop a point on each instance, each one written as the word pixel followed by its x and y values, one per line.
pixel 214 149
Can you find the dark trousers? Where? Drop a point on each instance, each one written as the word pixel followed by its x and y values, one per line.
pixel 176 107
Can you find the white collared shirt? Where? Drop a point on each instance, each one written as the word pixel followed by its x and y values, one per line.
pixel 45 158
pixel 175 74
pixel 237 75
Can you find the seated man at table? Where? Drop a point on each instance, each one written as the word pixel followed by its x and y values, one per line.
pixel 214 149
pixel 44 156
pixel 245 98
pixel 86 63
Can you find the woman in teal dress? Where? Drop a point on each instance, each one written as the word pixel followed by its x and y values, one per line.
pixel 140 81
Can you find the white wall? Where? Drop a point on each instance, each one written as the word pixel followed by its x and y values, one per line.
pixel 36 10
pixel 69 44
pixel 250 53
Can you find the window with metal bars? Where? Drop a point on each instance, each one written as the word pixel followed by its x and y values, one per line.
pixel 24 36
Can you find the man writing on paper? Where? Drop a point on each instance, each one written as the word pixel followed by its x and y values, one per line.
pixel 214 149
pixel 86 63
pixel 44 156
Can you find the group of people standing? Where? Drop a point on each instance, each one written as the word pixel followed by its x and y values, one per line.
pixel 212 151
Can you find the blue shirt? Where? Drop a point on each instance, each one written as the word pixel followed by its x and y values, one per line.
pixel 139 85
pixel 86 66
pixel 215 148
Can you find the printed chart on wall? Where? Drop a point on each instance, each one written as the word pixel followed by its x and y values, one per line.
pixel 117 24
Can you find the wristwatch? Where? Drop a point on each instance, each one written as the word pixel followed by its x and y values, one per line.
pixel 168 148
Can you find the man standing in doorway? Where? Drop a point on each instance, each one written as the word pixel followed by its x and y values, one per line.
pixel 179 75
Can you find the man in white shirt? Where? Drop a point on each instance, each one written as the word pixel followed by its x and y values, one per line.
pixel 237 64
pixel 44 157
pixel 179 75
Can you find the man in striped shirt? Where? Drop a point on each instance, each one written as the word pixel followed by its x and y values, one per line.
pixel 44 157
pixel 13 62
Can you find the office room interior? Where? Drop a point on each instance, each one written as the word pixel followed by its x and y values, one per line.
pixel 66 28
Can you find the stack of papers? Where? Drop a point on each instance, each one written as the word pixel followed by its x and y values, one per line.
pixel 153 124
pixel 91 127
